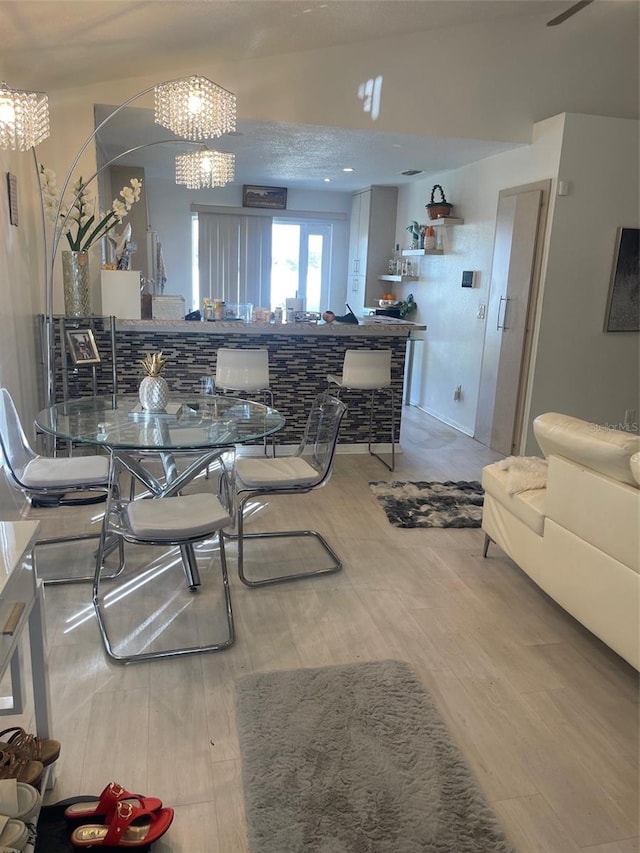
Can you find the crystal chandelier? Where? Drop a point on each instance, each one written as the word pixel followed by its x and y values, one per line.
pixel 195 108
pixel 24 118
pixel 201 169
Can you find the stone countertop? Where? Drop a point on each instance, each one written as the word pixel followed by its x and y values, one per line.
pixel 378 327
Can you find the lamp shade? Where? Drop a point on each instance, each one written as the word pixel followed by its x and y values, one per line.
pixel 24 118
pixel 195 108
pixel 203 169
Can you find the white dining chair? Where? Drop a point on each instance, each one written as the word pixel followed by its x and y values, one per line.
pixel 308 469
pixel 180 520
pixel 51 481
pixel 369 370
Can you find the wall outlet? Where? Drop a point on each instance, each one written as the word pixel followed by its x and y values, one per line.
pixel 457 394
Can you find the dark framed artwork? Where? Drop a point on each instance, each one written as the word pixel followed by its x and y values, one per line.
pixel 274 198
pixel 12 190
pixel 623 304
pixel 82 347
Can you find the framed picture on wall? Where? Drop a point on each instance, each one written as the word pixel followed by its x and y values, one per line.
pixel 82 347
pixel 12 190
pixel 623 304
pixel 271 197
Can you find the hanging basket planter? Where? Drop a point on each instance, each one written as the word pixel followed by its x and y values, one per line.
pixel 438 209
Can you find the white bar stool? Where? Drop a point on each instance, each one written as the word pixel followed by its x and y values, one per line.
pixel 244 370
pixel 369 370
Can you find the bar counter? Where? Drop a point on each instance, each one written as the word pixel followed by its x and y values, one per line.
pixel 300 357
pixel 368 327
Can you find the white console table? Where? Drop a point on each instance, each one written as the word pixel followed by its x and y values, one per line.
pixel 21 606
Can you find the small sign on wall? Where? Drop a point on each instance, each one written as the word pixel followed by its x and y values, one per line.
pixel 12 189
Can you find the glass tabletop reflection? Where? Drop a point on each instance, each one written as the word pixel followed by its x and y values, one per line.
pixel 189 422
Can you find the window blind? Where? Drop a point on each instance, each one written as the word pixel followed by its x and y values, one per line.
pixel 234 257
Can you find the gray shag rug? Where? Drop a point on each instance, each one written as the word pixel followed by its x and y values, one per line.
pixel 355 759
pixel 422 504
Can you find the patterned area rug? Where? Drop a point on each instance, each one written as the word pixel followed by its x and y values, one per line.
pixel 421 504
pixel 355 759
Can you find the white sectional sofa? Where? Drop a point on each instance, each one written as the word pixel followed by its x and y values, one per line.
pixel 577 537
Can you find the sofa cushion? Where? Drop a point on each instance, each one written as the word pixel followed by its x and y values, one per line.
pixel 601 448
pixel 528 506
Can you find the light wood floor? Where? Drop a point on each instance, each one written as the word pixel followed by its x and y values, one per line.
pixel 545 715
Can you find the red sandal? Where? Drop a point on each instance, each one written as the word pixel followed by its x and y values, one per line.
pixel 105 807
pixel 130 827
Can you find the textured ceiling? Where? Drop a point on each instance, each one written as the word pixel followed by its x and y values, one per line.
pixel 297 155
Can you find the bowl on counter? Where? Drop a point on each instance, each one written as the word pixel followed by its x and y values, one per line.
pixel 387 303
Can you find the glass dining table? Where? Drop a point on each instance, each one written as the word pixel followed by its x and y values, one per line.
pixel 202 423
pixel 200 426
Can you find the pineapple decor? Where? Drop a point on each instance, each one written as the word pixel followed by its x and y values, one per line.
pixel 154 391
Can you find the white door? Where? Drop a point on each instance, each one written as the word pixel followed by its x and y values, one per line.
pixel 510 312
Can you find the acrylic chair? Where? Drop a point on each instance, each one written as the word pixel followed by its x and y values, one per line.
pixel 64 481
pixel 244 370
pixel 168 520
pixel 309 468
pixel 369 370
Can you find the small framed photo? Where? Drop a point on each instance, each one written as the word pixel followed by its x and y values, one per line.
pixel 82 347
pixel 274 198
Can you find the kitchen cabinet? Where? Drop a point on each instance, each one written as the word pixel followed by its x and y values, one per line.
pixel 371 240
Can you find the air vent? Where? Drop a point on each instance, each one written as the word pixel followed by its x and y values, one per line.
pixel 411 172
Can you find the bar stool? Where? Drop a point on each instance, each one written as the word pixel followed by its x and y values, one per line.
pixel 245 370
pixel 368 370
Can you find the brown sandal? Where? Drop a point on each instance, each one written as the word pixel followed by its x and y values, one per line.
pixel 29 747
pixel 13 766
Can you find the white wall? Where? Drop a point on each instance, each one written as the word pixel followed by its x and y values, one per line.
pixel 21 298
pixel 577 368
pixel 452 351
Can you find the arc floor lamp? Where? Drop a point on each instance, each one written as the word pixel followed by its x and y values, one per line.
pixel 193 108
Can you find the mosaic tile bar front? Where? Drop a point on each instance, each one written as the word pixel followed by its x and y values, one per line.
pixel 298 367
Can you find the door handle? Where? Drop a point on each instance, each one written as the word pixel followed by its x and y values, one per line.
pixel 504 326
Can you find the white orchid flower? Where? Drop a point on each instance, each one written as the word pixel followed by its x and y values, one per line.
pixel 78 221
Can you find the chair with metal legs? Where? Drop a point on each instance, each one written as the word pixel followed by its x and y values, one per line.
pixel 175 520
pixel 245 370
pixel 309 468
pixel 369 370
pixel 55 481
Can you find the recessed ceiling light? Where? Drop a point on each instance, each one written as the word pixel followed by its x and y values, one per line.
pixel 347 169
pixel 327 180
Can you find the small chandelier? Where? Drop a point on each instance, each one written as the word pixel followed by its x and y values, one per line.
pixel 202 169
pixel 24 118
pixel 195 108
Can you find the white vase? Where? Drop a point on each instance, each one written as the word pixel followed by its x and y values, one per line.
pixel 153 394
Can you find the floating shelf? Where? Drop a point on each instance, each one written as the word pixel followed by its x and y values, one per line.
pixel 446 220
pixel 398 278
pixel 409 253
